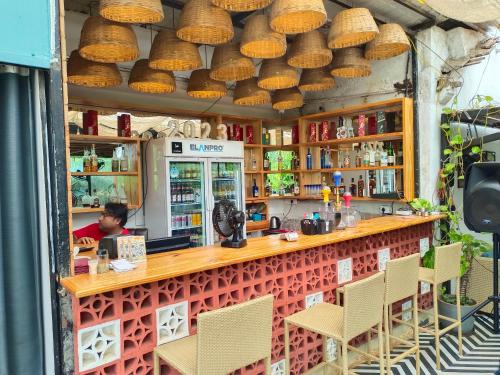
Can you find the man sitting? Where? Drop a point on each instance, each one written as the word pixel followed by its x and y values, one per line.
pixel 111 221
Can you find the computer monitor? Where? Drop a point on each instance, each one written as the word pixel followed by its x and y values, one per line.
pixel 162 245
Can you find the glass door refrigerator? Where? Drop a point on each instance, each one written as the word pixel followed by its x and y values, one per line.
pixel 185 178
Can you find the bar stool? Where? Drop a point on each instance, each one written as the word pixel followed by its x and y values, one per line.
pixel 401 281
pixel 446 267
pixel 344 323
pixel 228 339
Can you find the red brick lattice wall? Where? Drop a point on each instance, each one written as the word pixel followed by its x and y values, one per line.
pixel 289 277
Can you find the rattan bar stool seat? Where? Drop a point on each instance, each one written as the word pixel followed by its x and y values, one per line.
pixel 323 318
pixel 180 354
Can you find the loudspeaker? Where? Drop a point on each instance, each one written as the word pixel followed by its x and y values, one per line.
pixel 482 197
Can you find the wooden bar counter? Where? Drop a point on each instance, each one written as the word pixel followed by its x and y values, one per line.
pixel 118 318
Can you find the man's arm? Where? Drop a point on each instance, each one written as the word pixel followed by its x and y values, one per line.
pixel 82 236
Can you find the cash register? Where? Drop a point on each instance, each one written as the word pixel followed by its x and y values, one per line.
pixel 162 245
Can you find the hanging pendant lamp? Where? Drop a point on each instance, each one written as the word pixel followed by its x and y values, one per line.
pixel 132 11
pixel 144 79
pixel 201 86
pixel 350 63
pixel 260 41
pixel 391 41
pixel 352 27
pixel 276 74
pixel 248 93
pixel 297 16
pixel 228 64
pixel 107 41
pixel 287 99
pixel 242 5
pixel 309 50
pixel 203 23
pixel 171 53
pixel 92 74
pixel 318 79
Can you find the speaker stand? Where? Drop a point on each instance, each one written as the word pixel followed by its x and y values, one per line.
pixel 495 298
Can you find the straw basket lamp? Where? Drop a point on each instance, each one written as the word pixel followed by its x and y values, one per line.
pixel 228 64
pixel 203 23
pixel 248 93
pixel 318 79
pixel 132 11
pixel 276 74
pixel 92 74
pixel 391 41
pixel 144 79
pixel 107 41
pixel 171 53
pixel 352 27
pixel 201 86
pixel 287 99
pixel 297 16
pixel 260 41
pixel 242 5
pixel 350 63
pixel 309 50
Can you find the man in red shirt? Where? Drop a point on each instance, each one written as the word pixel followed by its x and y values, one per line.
pixel 111 221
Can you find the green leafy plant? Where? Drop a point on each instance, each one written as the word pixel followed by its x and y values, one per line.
pixel 421 204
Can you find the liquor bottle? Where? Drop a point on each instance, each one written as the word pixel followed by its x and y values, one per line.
pixel 342 187
pixel 264 137
pixel 255 189
pixel 359 159
pixel 383 156
pixel 308 159
pixel 282 189
pixel 115 163
pixel 124 162
pixel 347 160
pixel 361 187
pixel 254 161
pixel 390 154
pixel 399 157
pixel 113 196
pixel 86 161
pixel 280 161
pixel 372 184
pixel 266 161
pixel 94 166
pixel 86 199
pixel 328 158
pixel 296 187
pixel 267 190
pixel 366 155
pixel 95 200
pixel 354 188
pixel 322 158
pixel 122 196
pixel 378 155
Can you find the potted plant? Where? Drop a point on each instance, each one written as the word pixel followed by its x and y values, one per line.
pixel 421 206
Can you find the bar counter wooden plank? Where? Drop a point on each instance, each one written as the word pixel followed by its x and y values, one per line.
pixel 184 262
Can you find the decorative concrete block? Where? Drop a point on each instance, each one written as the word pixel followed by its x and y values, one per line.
pixel 278 368
pixel 424 287
pixel 331 349
pixel 424 246
pixel 344 267
pixel 384 255
pixel 407 312
pixel 313 299
pixel 172 322
pixel 98 345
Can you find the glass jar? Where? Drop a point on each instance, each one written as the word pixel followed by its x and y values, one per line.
pixel 102 261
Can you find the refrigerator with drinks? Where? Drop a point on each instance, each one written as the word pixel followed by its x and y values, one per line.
pixel 185 178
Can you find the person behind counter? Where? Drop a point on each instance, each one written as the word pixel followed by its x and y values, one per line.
pixel 111 221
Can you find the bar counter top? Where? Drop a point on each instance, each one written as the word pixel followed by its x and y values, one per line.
pixel 184 262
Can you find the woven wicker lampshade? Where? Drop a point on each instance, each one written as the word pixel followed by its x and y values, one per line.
pixel 309 50
pixel 318 79
pixel 248 93
pixel 352 27
pixel 276 74
pixel 132 11
pixel 242 5
pixel 203 23
pixel 260 41
pixel 171 53
pixel 350 63
pixel 228 64
pixel 92 74
pixel 144 79
pixel 287 99
pixel 391 41
pixel 107 41
pixel 201 86
pixel 297 16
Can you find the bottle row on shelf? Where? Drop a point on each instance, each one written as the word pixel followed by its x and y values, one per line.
pixel 185 171
pixel 123 160
pixel 182 193
pixel 187 220
pixel 100 197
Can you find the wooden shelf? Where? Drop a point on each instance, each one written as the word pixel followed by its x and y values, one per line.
pixel 282 147
pixel 256 200
pixel 252 145
pixel 253 172
pixel 75 174
pixel 283 171
pixel 83 210
pixel 80 138
pixel 255 226
pixel 367 138
pixel 350 169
